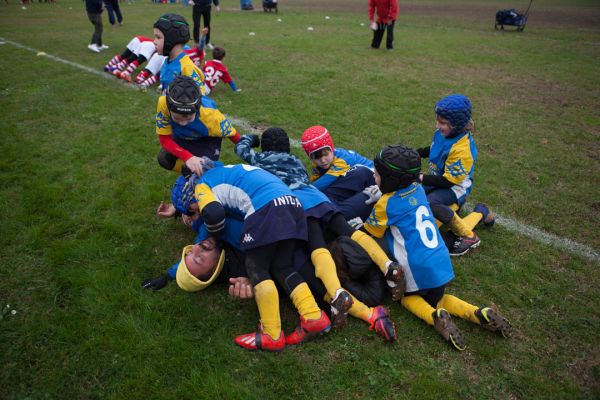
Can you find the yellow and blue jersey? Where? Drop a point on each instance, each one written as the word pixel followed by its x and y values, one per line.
pixel 241 189
pixel 181 65
pixel 343 161
pixel 406 221
pixel 454 159
pixel 209 122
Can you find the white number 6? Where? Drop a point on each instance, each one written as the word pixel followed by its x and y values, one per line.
pixel 425 225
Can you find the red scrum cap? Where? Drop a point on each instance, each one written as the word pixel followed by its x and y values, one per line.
pixel 316 138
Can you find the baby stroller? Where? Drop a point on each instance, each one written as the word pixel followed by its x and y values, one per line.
pixel 510 17
pixel 270 5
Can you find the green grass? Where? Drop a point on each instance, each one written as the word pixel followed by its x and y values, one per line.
pixel 79 185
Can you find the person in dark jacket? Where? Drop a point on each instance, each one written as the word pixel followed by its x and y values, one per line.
pixel 202 8
pixel 112 7
pixel 94 12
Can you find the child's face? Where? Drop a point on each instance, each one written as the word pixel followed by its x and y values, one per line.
pixel 159 40
pixel 322 158
pixel 182 119
pixel 377 178
pixel 202 260
pixel 443 125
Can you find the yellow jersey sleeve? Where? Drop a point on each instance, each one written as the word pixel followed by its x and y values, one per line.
pixel 204 195
pixel 377 222
pixel 163 117
pixel 459 161
pixel 218 125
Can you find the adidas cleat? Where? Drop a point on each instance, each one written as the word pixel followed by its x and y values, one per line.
pixel 309 329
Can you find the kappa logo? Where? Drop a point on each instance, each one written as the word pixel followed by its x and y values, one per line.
pixel 247 238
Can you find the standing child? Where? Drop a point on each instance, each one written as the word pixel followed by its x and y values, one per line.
pixel 452 156
pixel 403 216
pixel 171 33
pixel 345 176
pixel 387 12
pixel 214 70
pixel 189 126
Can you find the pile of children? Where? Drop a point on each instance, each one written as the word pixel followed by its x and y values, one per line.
pixel 171 33
pixel 268 225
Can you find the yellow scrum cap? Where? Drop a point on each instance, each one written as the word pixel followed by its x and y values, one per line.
pixel 189 282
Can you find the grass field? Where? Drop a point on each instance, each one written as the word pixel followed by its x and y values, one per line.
pixel 79 185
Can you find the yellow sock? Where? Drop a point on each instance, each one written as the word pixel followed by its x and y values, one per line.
pixel 305 302
pixel 372 248
pixel 459 308
pixel 459 227
pixel 419 307
pixel 267 300
pixel 178 165
pixel 360 310
pixel 472 220
pixel 454 207
pixel 325 270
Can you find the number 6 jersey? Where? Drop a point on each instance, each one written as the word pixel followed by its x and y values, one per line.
pixel 406 220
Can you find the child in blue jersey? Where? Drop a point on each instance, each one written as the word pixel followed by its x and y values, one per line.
pixel 452 156
pixel 322 217
pixel 345 176
pixel 402 215
pixel 273 225
pixel 189 127
pixel 171 33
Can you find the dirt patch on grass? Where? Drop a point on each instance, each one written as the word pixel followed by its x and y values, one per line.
pixel 580 16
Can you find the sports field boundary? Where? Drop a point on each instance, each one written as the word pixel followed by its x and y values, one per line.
pixel 534 233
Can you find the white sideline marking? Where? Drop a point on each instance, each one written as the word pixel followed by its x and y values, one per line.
pixel 511 225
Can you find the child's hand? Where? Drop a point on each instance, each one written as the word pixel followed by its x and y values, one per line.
pixel 373 194
pixel 204 31
pixel 195 165
pixel 217 8
pixel 165 210
pixel 373 25
pixel 241 288
pixel 189 219
pixel 191 3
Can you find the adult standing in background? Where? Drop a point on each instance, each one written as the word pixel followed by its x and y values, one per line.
pixel 387 12
pixel 112 7
pixel 202 8
pixel 94 12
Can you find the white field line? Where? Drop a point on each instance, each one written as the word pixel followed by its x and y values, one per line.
pixel 514 226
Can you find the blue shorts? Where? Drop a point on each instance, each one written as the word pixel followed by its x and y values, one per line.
pixel 282 218
pixel 324 212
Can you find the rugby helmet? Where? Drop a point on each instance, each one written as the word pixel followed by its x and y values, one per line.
pixel 398 166
pixel 183 95
pixel 175 30
pixel 316 138
pixel 275 139
pixel 456 108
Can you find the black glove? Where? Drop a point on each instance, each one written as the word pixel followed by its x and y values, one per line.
pixel 255 140
pixel 156 283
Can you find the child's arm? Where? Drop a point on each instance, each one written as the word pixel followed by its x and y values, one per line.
pixel 243 148
pixel 233 87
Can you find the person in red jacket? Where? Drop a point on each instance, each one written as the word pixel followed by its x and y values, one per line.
pixel 387 12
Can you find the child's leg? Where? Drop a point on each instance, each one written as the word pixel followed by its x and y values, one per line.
pixel 392 271
pixel 488 317
pixel 377 36
pixel 389 43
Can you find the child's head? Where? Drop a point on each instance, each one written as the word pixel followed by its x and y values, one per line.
pixel 169 31
pixel 396 167
pixel 183 99
pixel 318 145
pixel 275 139
pixel 453 114
pixel 218 53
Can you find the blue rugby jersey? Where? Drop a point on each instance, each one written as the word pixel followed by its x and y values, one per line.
pixel 242 189
pixel 343 161
pixel 181 65
pixel 454 159
pixel 209 122
pixel 406 220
